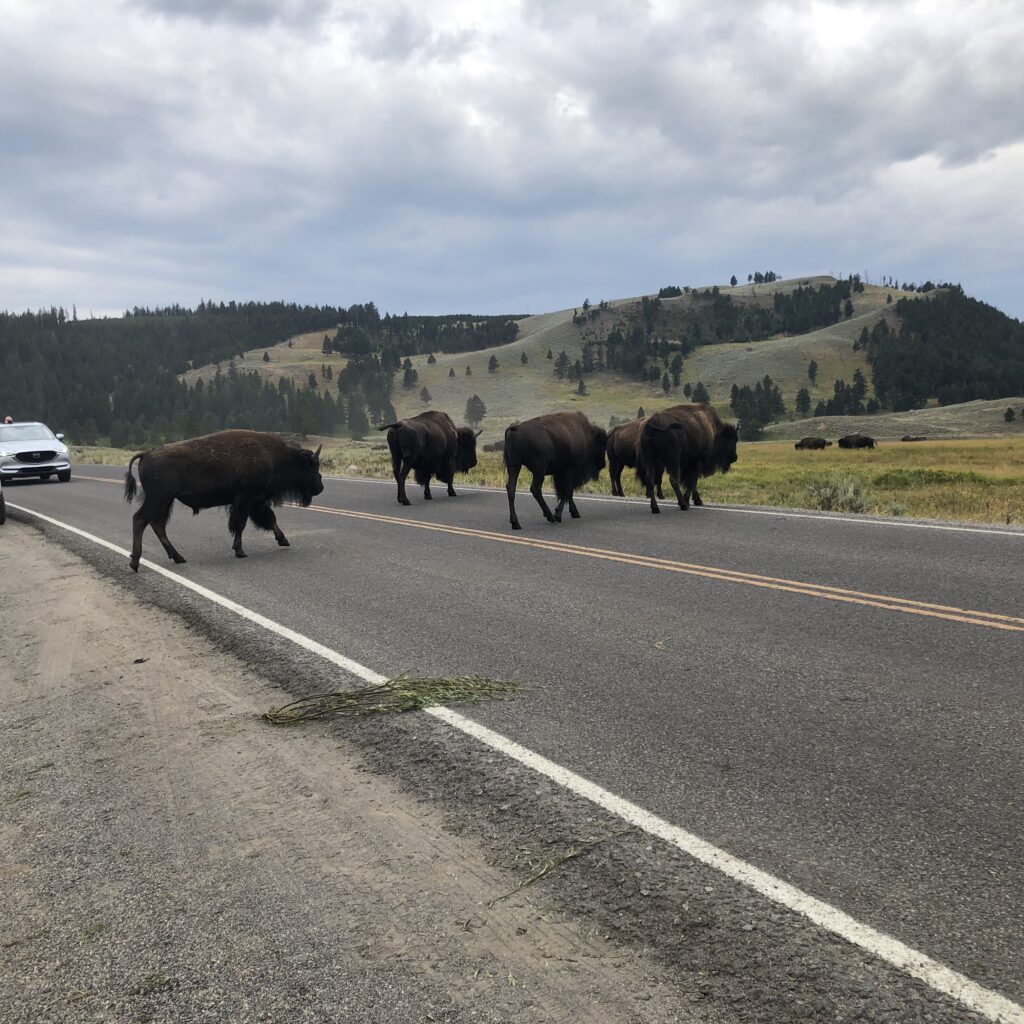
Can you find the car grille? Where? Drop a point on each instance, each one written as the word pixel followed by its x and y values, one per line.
pixel 32 457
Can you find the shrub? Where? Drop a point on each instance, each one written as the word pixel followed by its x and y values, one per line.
pixel 837 493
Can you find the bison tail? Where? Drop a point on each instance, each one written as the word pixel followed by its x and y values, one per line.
pixel 129 480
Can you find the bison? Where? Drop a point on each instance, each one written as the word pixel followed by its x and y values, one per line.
pixel 812 442
pixel 856 441
pixel 913 437
pixel 563 445
pixel 246 470
pixel 623 442
pixel 689 441
pixel 429 445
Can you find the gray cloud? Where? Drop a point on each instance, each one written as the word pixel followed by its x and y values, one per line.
pixel 443 156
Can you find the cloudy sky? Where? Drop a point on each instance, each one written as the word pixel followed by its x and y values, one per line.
pixel 502 156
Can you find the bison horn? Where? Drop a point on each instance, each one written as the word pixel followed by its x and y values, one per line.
pixel 479 432
pixel 316 454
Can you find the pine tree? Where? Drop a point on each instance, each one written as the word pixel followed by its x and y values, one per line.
pixel 523 359
pixel 469 371
pixel 1009 415
pixel 266 357
pixel 701 393
pixel 451 372
pixel 581 388
pixel 803 402
pixel 666 382
pixel 425 396
pixel 549 354
pixel 812 371
pixel 640 414
pixel 732 280
pixel 492 364
pixel 431 359
pixel 475 410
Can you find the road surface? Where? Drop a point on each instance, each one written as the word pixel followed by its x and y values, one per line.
pixel 833 700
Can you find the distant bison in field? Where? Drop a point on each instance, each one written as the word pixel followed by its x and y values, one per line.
pixel 910 437
pixel 623 451
pixel 812 443
pixel 689 441
pixel 246 470
pixel 563 445
pixel 429 445
pixel 856 441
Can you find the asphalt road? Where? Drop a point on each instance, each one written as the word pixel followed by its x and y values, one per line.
pixel 863 743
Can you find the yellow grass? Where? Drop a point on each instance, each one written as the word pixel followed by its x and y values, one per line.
pixel 968 480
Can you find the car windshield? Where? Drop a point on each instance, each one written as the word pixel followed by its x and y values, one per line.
pixel 14 432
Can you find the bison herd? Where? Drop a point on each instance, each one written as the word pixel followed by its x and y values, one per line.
pixel 251 472
pixel 849 441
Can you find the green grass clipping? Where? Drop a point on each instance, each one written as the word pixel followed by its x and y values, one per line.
pixel 404 693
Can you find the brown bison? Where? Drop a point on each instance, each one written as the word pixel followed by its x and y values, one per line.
pixel 812 442
pixel 562 445
pixel 429 445
pixel 623 442
pixel 689 441
pixel 856 441
pixel 913 437
pixel 246 470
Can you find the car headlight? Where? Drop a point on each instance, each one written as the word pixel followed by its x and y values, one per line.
pixel 6 455
pixel 62 452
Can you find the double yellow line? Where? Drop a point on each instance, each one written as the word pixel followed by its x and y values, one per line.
pixel 1008 623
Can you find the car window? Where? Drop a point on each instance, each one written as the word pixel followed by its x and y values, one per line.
pixel 25 432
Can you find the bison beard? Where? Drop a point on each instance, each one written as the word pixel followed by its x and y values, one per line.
pixel 246 470
pixel 429 445
pixel 563 445
pixel 689 441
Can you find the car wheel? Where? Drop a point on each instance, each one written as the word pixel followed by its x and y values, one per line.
pixel 64 476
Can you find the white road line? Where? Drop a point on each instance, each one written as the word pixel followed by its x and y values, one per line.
pixel 779 513
pixel 975 997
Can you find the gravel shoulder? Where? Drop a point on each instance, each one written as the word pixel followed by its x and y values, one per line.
pixel 167 856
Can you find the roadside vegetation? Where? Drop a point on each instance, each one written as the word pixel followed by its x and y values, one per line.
pixel 975 480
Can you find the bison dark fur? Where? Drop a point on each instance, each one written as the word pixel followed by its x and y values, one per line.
pixel 429 445
pixel 623 443
pixel 563 445
pixel 856 441
pixel 812 443
pixel 687 441
pixel 248 471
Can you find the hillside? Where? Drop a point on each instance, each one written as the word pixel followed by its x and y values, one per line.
pixel 980 418
pixel 518 391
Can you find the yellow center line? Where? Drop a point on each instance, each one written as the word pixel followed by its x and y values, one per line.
pixel 887 602
pixel 993 620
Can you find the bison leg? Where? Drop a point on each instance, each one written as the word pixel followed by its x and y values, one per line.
pixel 673 479
pixel 400 474
pixel 657 486
pixel 159 524
pixel 615 475
pixel 536 489
pixel 510 490
pixel 573 510
pixel 427 496
pixel 236 523
pixel 139 524
pixel 262 516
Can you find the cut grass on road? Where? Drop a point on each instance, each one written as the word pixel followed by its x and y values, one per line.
pixel 970 480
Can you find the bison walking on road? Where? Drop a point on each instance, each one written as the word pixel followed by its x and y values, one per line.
pixel 856 441
pixel 429 445
pixel 623 445
pixel 689 441
pixel 246 470
pixel 562 445
pixel 812 443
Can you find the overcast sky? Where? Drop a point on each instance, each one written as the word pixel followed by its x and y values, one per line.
pixel 502 157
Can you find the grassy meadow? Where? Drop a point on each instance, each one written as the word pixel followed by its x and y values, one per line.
pixel 973 480
pixel 970 480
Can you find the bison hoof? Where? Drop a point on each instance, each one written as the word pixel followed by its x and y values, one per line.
pixel 698 502
pixel 574 513
pixel 452 494
pixel 516 526
pixel 283 543
pixel 240 554
pixel 655 511
pixel 428 497
pixel 178 560
pixel 134 563
pixel 404 501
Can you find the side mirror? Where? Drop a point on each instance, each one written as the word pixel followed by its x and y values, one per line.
pixel 60 437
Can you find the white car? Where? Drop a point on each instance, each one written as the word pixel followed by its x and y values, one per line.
pixel 32 449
